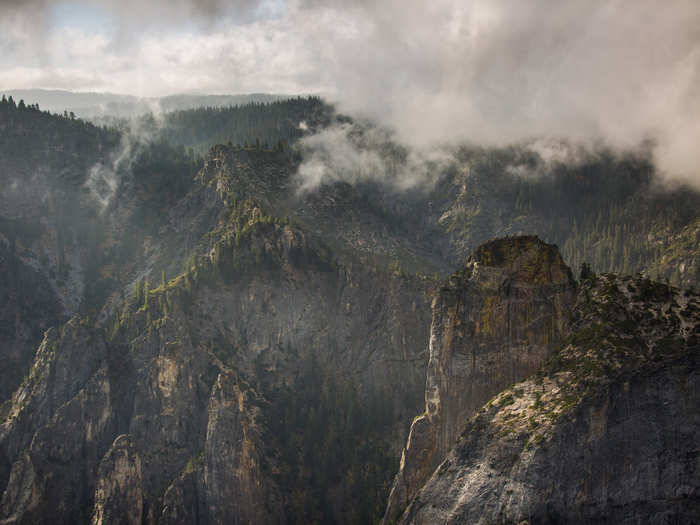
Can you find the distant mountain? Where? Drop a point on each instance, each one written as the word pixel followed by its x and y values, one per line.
pixel 95 105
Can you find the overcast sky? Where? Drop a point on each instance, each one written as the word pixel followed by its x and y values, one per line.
pixel 489 71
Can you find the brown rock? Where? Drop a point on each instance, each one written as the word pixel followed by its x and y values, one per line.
pixel 494 323
pixel 118 494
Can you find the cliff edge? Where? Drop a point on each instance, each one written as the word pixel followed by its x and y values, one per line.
pixel 494 322
pixel 605 432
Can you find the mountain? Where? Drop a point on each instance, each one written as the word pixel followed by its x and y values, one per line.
pixel 494 323
pixel 196 338
pixel 88 105
pixel 606 209
pixel 46 227
pixel 262 324
pixel 604 432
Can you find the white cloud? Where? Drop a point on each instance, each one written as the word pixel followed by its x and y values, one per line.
pixel 486 71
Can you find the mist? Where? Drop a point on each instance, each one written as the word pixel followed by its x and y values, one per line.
pixel 359 152
pixel 103 178
pixel 624 73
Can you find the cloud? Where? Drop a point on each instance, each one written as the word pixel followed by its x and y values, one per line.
pixel 496 72
pixel 359 152
pixel 103 178
pixel 484 71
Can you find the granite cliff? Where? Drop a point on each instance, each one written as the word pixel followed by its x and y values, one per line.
pixel 196 340
pixel 264 365
pixel 603 431
pixel 494 322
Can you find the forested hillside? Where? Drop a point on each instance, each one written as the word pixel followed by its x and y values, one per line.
pixel 108 107
pixel 272 125
pixel 185 322
pixel 606 209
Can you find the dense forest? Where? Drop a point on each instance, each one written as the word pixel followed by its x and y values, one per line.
pixel 608 209
pixel 272 125
pixel 61 144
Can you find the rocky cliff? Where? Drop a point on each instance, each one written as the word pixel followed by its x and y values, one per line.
pixel 28 307
pixel 495 322
pixel 267 383
pixel 222 347
pixel 604 432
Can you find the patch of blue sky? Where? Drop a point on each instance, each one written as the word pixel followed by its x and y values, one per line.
pixel 81 15
pixel 272 9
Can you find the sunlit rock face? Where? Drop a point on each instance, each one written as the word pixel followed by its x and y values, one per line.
pixel 222 347
pixel 494 323
pixel 605 432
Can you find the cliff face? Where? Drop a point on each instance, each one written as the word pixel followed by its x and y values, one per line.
pixel 494 323
pixel 605 432
pixel 241 352
pixel 45 220
pixel 28 307
pixel 234 392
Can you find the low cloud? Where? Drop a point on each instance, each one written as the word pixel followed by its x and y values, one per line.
pixel 488 72
pixel 103 178
pixel 360 152
pixel 494 73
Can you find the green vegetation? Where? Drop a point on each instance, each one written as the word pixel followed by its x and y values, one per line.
pixel 235 216
pixel 622 328
pixel 604 210
pixel 331 438
pixel 194 463
pixel 507 400
pixel 256 126
pixel 63 145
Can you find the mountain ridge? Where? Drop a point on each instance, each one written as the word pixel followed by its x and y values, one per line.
pixel 202 298
pixel 90 105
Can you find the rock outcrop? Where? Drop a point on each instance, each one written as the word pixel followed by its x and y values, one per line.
pixel 60 420
pixel 242 352
pixel 605 432
pixel 494 323
pixel 118 495
pixel 193 402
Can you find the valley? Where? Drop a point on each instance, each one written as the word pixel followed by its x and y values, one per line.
pixel 192 335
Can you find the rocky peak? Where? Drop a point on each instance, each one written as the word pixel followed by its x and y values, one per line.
pixel 494 323
pixel 524 259
pixel 603 433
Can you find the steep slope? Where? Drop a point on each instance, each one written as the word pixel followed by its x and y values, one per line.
pixel 494 323
pixel 28 307
pixel 679 259
pixel 44 223
pixel 600 207
pixel 241 351
pixel 605 432
pixel 234 392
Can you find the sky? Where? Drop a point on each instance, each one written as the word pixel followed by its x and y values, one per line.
pixel 485 71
